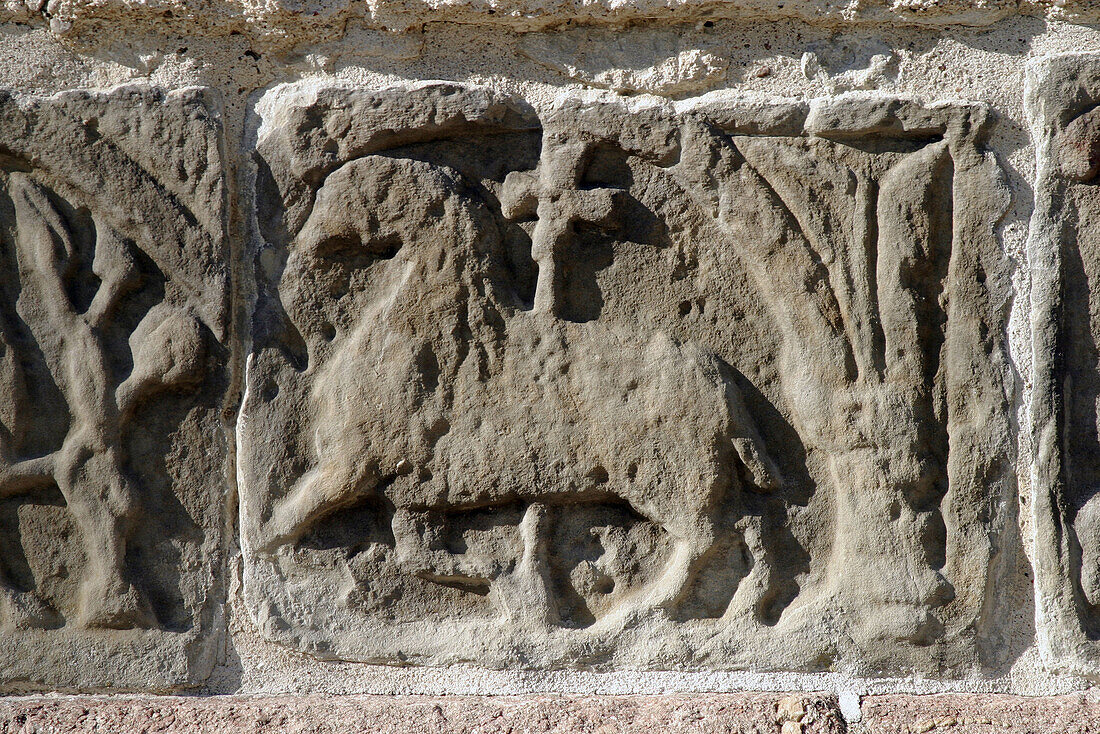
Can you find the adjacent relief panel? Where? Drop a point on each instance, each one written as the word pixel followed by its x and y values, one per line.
pixel 113 321
pixel 716 385
pixel 1064 103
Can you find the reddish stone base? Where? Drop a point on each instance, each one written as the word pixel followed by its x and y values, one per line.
pixel 759 713
pixel 979 713
pixel 751 712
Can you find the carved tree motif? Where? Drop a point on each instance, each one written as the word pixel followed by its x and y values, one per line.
pixel 114 331
pixel 861 304
pixel 1064 256
pixel 90 467
pixel 856 257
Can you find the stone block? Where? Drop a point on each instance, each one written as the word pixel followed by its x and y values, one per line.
pixel 114 329
pixel 719 384
pixel 978 713
pixel 1064 249
pixel 759 713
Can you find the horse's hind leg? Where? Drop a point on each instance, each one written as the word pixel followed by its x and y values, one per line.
pixel 683 566
pixel 524 595
pixel 320 491
pixel 691 545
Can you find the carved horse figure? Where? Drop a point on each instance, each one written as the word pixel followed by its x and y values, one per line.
pixel 444 393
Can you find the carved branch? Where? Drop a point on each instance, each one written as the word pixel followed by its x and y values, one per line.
pixel 788 270
pixel 908 262
pixel 118 274
pixel 43 233
pixel 169 350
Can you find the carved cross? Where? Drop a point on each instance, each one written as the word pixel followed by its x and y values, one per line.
pixel 554 194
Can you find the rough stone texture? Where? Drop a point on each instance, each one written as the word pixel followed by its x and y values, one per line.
pixel 745 713
pixel 276 23
pixel 555 347
pixel 113 324
pixel 1063 94
pixel 756 713
pixel 978 714
pixel 533 389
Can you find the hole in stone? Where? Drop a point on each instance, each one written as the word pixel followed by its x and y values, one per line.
pixel 270 391
pixel 599 475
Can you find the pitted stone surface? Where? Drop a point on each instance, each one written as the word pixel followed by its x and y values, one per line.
pixel 706 346
pixel 294 21
pixel 113 329
pixel 1063 98
pixel 626 385
pixel 978 714
pixel 759 713
pixel 755 713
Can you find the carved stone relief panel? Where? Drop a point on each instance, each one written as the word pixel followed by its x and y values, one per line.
pixel 1064 250
pixel 720 384
pixel 113 321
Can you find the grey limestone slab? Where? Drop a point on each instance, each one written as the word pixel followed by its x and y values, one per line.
pixel 628 383
pixel 114 331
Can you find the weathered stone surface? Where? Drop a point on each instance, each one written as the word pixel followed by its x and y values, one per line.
pixel 636 420
pixel 755 713
pixel 716 385
pixel 278 22
pixel 1063 98
pixel 982 713
pixel 113 320
pixel 668 62
pixel 743 712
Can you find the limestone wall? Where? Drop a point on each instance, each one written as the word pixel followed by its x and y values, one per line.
pixel 578 347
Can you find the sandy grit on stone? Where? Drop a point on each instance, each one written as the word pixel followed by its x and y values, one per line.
pixel 758 713
pixel 752 712
pixel 978 713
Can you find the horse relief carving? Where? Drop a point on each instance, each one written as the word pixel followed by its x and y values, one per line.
pixel 559 383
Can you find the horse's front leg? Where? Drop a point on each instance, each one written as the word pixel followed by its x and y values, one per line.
pixel 692 542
